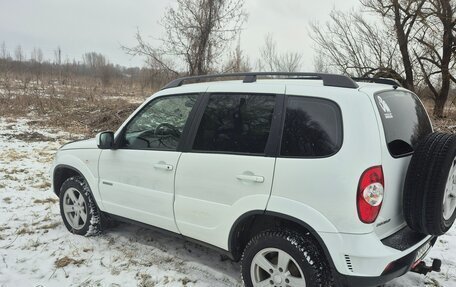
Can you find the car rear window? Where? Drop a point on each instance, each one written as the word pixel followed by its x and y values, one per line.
pixel 405 121
pixel 313 128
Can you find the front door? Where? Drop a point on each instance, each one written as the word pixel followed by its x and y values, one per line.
pixel 137 179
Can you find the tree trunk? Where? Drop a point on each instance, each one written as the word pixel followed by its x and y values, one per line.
pixel 446 17
pixel 403 47
pixel 439 107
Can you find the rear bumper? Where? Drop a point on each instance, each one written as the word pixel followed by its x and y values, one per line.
pixel 398 268
pixel 366 260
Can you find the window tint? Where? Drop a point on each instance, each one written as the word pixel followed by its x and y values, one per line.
pixel 404 120
pixel 235 123
pixel 160 124
pixel 313 128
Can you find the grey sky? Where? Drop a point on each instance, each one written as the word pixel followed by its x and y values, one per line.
pixel 80 26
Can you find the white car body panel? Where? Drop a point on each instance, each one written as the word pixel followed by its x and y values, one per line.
pixel 134 185
pixel 210 197
pixel 83 157
pixel 201 197
pixel 330 184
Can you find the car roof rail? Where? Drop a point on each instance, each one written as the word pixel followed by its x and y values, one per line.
pixel 332 80
pixel 385 81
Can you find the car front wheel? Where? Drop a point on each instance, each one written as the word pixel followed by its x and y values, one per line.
pixel 79 212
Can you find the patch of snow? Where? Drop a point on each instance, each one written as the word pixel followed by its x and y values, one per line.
pixel 33 237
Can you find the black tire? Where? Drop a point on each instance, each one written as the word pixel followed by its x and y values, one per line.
pixel 94 221
pixel 425 184
pixel 302 248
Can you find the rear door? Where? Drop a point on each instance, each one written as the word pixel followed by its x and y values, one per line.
pixel 227 170
pixel 405 122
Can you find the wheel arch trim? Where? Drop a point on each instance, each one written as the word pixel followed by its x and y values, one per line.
pixel 310 229
pixel 87 176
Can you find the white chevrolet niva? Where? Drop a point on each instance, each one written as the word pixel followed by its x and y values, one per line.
pixel 307 179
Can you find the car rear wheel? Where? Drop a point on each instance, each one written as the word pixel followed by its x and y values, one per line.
pixel 284 259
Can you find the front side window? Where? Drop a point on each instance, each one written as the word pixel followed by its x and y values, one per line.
pixel 235 123
pixel 313 128
pixel 160 124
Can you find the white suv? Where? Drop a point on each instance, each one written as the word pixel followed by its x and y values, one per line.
pixel 308 179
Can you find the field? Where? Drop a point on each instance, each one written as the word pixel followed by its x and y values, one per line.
pixel 37 250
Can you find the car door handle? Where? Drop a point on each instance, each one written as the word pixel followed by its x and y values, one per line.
pixel 163 166
pixel 252 178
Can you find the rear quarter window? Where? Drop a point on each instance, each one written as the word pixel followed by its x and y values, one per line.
pixel 404 119
pixel 313 128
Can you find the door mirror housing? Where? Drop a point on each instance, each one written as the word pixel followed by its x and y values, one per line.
pixel 105 140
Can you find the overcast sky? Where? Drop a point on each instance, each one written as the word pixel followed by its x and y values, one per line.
pixel 79 26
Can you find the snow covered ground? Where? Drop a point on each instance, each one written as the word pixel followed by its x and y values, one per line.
pixel 37 250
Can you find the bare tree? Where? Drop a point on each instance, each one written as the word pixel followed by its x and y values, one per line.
pixel 58 56
pixel 415 42
pixel 58 62
pixel 400 15
pixel 156 58
pixel 437 56
pixel 99 66
pixel 353 46
pixel 321 65
pixel 94 60
pixel 197 33
pixel 39 55
pixel 3 51
pixel 36 55
pixel 272 61
pixel 19 54
pixel 237 61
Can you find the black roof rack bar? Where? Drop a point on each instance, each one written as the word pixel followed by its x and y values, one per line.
pixel 332 80
pixel 385 81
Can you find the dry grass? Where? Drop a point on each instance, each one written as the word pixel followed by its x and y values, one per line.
pixel 43 185
pixel 80 108
pixel 79 116
pixel 65 261
pixel 7 200
pixel 47 200
pixel 4 227
pixel 447 124
pixel 24 230
pixel 13 155
pixel 10 177
pixel 145 280
pixel 49 226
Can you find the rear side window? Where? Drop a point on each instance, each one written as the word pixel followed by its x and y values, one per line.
pixel 404 120
pixel 313 128
pixel 235 123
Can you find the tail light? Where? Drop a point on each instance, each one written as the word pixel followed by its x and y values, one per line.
pixel 370 194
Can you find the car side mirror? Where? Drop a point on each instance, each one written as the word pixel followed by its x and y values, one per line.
pixel 105 140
